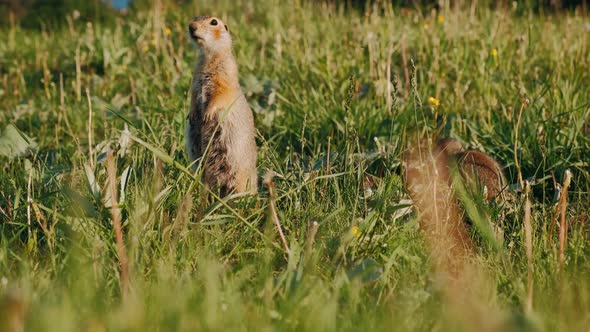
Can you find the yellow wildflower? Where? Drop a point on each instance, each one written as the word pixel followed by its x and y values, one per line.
pixel 168 31
pixel 494 52
pixel 433 101
pixel 425 26
pixel 355 231
pixel 145 48
pixel 440 19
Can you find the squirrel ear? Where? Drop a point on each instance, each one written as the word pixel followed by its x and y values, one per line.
pixel 226 29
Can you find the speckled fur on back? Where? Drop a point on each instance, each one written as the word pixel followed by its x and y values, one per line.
pixel 220 125
pixel 480 169
pixel 475 167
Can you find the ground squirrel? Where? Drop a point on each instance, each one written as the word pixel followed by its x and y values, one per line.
pixel 220 125
pixel 12 311
pixel 429 181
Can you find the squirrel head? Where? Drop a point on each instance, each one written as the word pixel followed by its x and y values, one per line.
pixel 450 146
pixel 210 34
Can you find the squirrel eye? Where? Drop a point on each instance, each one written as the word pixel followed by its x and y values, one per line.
pixel 213 22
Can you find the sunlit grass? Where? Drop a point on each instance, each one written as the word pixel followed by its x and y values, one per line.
pixel 333 124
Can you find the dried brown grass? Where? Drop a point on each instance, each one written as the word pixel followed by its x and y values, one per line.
pixel 116 220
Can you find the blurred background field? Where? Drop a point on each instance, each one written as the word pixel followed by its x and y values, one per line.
pixel 90 97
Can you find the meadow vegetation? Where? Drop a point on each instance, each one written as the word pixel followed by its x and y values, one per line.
pixel 92 122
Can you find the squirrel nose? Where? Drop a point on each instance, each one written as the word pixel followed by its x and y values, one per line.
pixel 191 29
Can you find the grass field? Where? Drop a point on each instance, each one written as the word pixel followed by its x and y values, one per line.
pixel 338 96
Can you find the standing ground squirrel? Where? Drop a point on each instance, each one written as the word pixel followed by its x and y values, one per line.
pixel 220 125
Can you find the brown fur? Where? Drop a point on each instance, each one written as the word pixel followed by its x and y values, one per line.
pixel 449 146
pixel 476 168
pixel 482 170
pixel 429 179
pixel 220 125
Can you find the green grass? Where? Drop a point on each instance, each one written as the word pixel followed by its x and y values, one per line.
pixel 316 77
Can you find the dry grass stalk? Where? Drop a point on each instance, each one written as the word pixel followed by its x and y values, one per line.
pixel 328 169
pixel 528 234
pixel 183 214
pixel 405 65
pixel 78 61
pixel 116 219
pixel 562 221
pixel 553 221
pixel 310 240
pixel 311 233
pixel 90 148
pixel 525 104
pixel 40 218
pixel 64 114
pixel 388 75
pixel 29 201
pixel 269 184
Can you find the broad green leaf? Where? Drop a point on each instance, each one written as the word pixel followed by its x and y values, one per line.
pixel 14 143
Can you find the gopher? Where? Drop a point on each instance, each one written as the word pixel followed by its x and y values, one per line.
pixel 220 124
pixel 429 181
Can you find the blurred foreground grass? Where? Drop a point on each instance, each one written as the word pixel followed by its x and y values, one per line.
pixel 333 124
